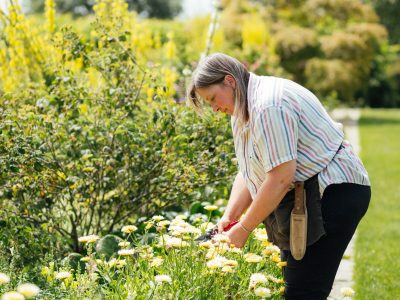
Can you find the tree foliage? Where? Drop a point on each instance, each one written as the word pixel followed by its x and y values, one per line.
pixel 150 8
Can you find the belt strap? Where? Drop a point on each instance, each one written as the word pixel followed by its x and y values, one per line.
pixel 299 198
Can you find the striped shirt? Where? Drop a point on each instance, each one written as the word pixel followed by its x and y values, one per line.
pixel 286 122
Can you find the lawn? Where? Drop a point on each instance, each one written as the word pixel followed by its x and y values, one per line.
pixel 377 260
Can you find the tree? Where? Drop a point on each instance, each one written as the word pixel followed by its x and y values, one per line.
pixel 160 9
pixel 149 8
pixel 389 11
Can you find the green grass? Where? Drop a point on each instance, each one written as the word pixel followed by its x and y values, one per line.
pixel 377 260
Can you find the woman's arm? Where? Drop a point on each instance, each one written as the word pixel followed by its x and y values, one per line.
pixel 271 192
pixel 239 201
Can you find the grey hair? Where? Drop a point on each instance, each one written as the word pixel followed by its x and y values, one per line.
pixel 212 69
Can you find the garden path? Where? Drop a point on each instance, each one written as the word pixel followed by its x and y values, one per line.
pixel 344 277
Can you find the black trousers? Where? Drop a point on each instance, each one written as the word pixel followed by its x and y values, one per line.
pixel 343 206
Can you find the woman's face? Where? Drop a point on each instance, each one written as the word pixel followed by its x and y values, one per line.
pixel 221 97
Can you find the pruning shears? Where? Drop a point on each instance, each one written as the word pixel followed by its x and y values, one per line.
pixel 213 231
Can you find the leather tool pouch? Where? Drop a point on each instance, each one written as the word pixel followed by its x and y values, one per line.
pixel 298 223
pixel 278 222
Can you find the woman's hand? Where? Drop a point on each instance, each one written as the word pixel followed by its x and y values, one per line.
pixel 237 235
pixel 223 223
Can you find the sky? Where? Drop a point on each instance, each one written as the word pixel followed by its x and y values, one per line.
pixel 193 8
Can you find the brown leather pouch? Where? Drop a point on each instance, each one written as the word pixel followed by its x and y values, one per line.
pixel 298 223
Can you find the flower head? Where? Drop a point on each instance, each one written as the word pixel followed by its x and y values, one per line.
pixel 210 207
pixel 347 292
pixel 126 252
pixel 163 223
pixel 29 290
pixel 63 275
pixel 262 292
pixel 4 278
pixel 162 278
pixel 216 262
pixel 13 296
pixel 129 228
pixel 228 269
pixel 157 261
pixel 221 238
pixel 124 244
pixel 172 242
pixel 252 258
pixel 257 278
pixel 88 238
pixel 271 249
pixel 158 218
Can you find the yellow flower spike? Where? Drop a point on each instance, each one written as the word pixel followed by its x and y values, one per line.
pixel 50 9
pixel 282 290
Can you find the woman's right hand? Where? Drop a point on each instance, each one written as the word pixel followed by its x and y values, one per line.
pixel 223 223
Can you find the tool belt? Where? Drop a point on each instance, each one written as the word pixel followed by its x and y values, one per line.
pixel 297 221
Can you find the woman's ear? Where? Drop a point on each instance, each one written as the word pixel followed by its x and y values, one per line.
pixel 230 81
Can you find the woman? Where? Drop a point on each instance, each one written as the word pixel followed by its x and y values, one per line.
pixel 282 134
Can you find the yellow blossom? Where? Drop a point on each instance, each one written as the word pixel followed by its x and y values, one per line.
pixel 271 249
pixel 163 223
pixel 262 292
pixel 255 279
pixel 228 269
pixel 252 258
pixel 157 218
pixel 282 264
pixel 162 278
pixel 231 263
pixel 63 275
pixel 221 238
pixel 206 245
pixel 12 296
pixel 126 252
pixel 29 290
pixel 275 257
pixel 210 207
pixel 88 238
pixel 217 262
pixel 347 292
pixel 4 278
pixel 121 263
pixel 157 261
pixel 129 228
pixel 124 244
pixel 50 8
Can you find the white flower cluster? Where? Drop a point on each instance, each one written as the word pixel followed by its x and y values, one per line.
pixel 179 227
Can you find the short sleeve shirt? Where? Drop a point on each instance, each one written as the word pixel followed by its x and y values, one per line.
pixel 287 122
